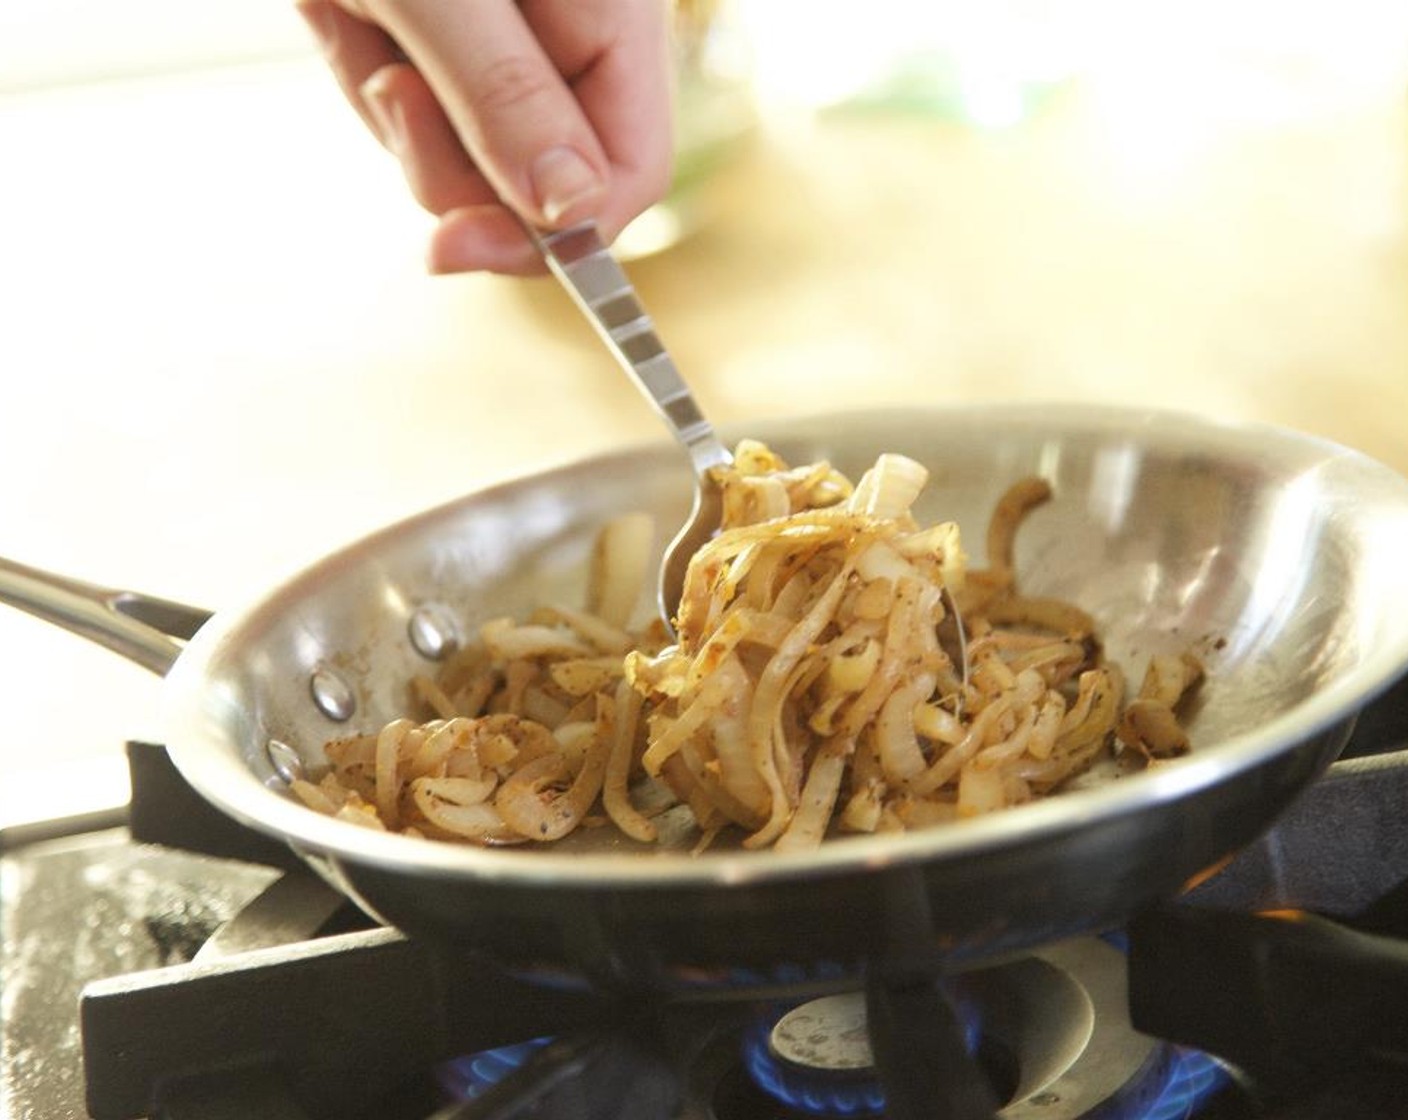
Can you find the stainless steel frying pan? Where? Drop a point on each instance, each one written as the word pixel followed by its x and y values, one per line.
pixel 1279 556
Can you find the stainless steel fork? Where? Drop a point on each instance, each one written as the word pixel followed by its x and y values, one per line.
pixel 597 282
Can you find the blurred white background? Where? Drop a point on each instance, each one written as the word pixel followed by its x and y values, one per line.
pixel 221 356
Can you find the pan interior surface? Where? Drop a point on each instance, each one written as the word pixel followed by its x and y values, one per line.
pixel 1276 557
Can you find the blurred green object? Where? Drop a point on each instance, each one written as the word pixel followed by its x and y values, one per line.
pixel 934 83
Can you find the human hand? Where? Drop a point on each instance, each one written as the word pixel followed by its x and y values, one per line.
pixel 559 109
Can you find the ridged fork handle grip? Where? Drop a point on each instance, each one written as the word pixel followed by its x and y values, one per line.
pixel 597 282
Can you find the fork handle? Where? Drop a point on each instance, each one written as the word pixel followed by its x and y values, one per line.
pixel 598 284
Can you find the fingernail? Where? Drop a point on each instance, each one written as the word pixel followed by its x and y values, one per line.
pixel 384 112
pixel 562 180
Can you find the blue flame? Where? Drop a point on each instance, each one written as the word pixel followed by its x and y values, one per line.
pixel 1175 1087
pixel 1192 1080
pixel 838 1095
pixel 818 1093
pixel 465 1078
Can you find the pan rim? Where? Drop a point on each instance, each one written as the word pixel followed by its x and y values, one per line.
pixel 271 811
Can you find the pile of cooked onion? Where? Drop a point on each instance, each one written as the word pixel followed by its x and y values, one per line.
pixel 837 668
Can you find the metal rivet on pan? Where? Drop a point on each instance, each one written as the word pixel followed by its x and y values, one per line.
pixel 332 694
pixel 433 631
pixel 285 760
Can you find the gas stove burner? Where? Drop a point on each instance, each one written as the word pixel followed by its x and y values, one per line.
pixel 1050 1032
pixel 815 1057
pixel 296 1004
pixel 825 1035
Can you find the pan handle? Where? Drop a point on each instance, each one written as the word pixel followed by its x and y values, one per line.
pixel 142 628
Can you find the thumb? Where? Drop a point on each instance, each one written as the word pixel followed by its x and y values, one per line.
pixel 512 110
